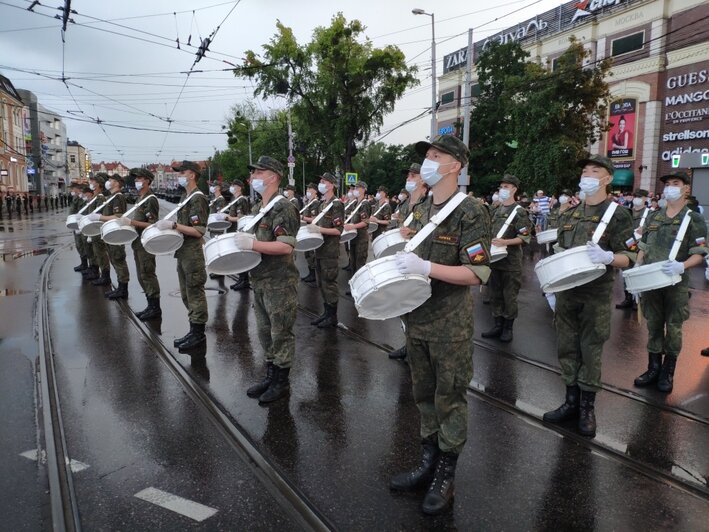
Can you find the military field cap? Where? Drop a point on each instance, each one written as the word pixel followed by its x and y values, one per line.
pixel 511 179
pixel 641 193
pixel 568 192
pixel 327 176
pixel 415 168
pixel 75 184
pixel 449 144
pixel 86 189
pixel 118 177
pixel 237 182
pixel 289 187
pixel 142 172
pixel 267 163
pixel 313 186
pixel 187 165
pixel 361 184
pixel 100 177
pixel 404 191
pixel 676 175
pixel 598 160
pixel 382 188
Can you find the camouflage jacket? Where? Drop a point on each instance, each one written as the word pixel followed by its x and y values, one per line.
pixel 194 214
pixel 362 215
pixel 148 212
pixel 117 206
pixel 520 227
pixel 217 204
pixel 240 208
pixel 334 218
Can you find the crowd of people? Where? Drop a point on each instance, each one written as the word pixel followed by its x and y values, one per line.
pixel 15 204
pixel 461 241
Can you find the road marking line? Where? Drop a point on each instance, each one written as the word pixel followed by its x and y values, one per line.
pixel 180 505
pixel 475 385
pixel 75 465
pixel 613 444
pixel 32 455
pixel 529 408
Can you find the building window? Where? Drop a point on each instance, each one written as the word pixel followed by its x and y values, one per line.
pixel 447 97
pixel 555 64
pixel 72 158
pixel 627 44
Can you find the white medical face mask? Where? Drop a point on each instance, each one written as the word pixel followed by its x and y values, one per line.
pixel 309 195
pixel 504 194
pixel 662 203
pixel 495 197
pixel 322 188
pixel 563 199
pixel 92 186
pixel 638 202
pixel 109 184
pixel 182 181
pixel 430 172
pixel 402 197
pixel 351 194
pixel 73 194
pixel 258 185
pixel 589 185
pixel 673 193
pixel 356 193
pixel 582 195
pixel 430 193
pixel 212 189
pixel 138 185
pixel 377 196
pixel 232 190
pixel 410 186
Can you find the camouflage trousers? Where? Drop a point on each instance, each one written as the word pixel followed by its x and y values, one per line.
pixel 583 324
pixel 100 253
pixel 117 256
pixel 275 318
pixel 80 244
pixel 440 373
pixel 327 271
pixel 145 269
pixel 192 274
pixel 504 288
pixel 665 310
pixel 88 249
pixel 310 259
pixel 360 249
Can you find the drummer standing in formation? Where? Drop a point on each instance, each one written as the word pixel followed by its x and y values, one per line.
pixel 99 275
pixel 358 220
pixel 239 208
pixel 639 211
pixel 310 211
pixel 116 253
pixel 382 215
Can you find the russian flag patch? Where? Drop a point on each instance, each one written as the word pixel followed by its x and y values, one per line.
pixel 476 253
pixel 701 241
pixel 631 244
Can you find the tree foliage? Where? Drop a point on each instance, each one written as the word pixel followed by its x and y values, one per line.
pixel 339 86
pixel 380 164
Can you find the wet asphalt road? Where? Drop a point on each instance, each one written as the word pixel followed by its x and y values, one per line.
pixel 350 421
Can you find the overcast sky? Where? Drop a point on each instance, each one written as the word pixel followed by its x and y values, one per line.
pixel 120 79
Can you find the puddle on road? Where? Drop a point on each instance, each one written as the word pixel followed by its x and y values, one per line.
pixel 8 292
pixel 17 255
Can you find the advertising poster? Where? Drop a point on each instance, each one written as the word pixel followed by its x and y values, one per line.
pixel 621 136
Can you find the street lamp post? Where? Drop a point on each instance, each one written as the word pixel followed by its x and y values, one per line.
pixel 434 94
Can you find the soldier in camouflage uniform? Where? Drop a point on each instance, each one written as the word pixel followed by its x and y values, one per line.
pixel 116 252
pixel 274 280
pixel 359 221
pixel 382 213
pixel 638 210
pixel 666 309
pixel 310 211
pixel 191 270
pixel 75 205
pixel 144 216
pixel 99 247
pixel 330 226
pixel 87 195
pixel 289 193
pixel 582 313
pixel 403 198
pixel 506 276
pixel 350 202
pixel 239 207
pixel 439 337
pixel 561 206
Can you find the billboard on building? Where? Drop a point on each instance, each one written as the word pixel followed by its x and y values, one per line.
pixel 621 137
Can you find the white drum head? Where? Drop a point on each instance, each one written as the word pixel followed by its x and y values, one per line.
pixel 545 237
pixel 213 224
pixel 120 236
pixel 388 243
pixel 223 257
pixel 161 242
pixel 566 270
pixel 648 277
pixel 346 236
pixel 372 227
pixel 497 253
pixel 89 228
pixel 307 241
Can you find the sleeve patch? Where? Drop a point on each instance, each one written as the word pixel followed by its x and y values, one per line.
pixel 280 231
pixel 337 222
pixel 524 231
pixel 476 253
pixel 701 241
pixel 631 244
pixel 194 220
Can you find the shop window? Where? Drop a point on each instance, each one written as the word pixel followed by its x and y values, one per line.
pixel 627 44
pixel 447 97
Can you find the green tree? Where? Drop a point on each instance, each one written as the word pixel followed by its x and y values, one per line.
pixel 339 86
pixel 380 164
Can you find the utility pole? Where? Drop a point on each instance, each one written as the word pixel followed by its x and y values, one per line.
pixel 291 157
pixel 464 178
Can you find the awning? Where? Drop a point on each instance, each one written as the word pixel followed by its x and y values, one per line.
pixel 623 177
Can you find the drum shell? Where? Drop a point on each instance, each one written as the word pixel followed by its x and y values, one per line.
pixel 223 256
pixel 388 243
pixel 371 227
pixel 648 277
pixel 117 235
pixel 307 241
pixel 89 228
pixel 161 241
pixel 213 224
pixel 380 292
pixel 243 221
pixel 568 269
pixel 72 221
pixel 547 237
pixel 497 253
pixel 346 236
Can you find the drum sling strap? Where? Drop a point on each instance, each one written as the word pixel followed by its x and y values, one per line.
pixel 319 216
pixel 354 212
pixel 435 221
pixel 642 224
pixel 87 206
pixel 598 233
pixel 174 211
pixel 132 210
pixel 104 203
pixel 308 205
pixel 225 209
pixel 680 236
pixel 507 223
pixel 261 213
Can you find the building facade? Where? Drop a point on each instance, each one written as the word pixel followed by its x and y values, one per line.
pixel 13 161
pixel 77 167
pixel 659 80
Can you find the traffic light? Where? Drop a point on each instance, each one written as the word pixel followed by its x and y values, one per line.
pixel 675 160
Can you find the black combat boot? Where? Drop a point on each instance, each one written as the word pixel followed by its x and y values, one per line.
pixel 195 339
pixel 119 293
pixel 103 280
pixel 279 386
pixel 179 341
pixel 83 266
pixel 330 319
pixel 587 416
pixel 421 476
pixel 310 278
pixel 399 354
pixel 257 389
pixel 439 496
pixel 506 335
pixel 321 317
pixel 653 370
pixel 153 311
pixel 91 273
pixel 496 330
pixel 627 302
pixel 242 283
pixel 667 373
pixel 569 410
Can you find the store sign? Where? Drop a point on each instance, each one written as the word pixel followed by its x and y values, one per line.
pixel 589 7
pixel 521 32
pixel 621 137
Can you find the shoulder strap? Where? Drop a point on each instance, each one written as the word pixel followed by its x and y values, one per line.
pixel 183 203
pixel 680 235
pixel 598 233
pixel 145 199
pixel 109 200
pixel 87 205
pixel 379 209
pixel 308 205
pixel 507 223
pixel 230 204
pixel 435 221
pixel 319 216
pixel 261 213
pixel 354 212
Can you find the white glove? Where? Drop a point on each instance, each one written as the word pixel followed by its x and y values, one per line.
pixel 94 217
pixel 123 221
pixel 312 228
pixel 164 224
pixel 551 299
pixel 412 264
pixel 599 255
pixel 244 241
pixel 221 216
pixel 672 267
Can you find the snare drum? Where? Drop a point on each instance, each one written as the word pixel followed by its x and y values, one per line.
pixel 388 243
pixel 346 236
pixel 223 257
pixel 161 241
pixel 497 252
pixel 381 292
pixel 372 227
pixel 648 277
pixel 547 237
pixel 72 221
pixel 214 223
pixel 117 235
pixel 243 221
pixel 307 241
pixel 567 269
pixel 89 228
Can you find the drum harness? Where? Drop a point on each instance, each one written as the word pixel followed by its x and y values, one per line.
pixel 507 223
pixel 642 224
pixel 184 202
pixel 130 211
pixel 435 221
pixel 261 213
